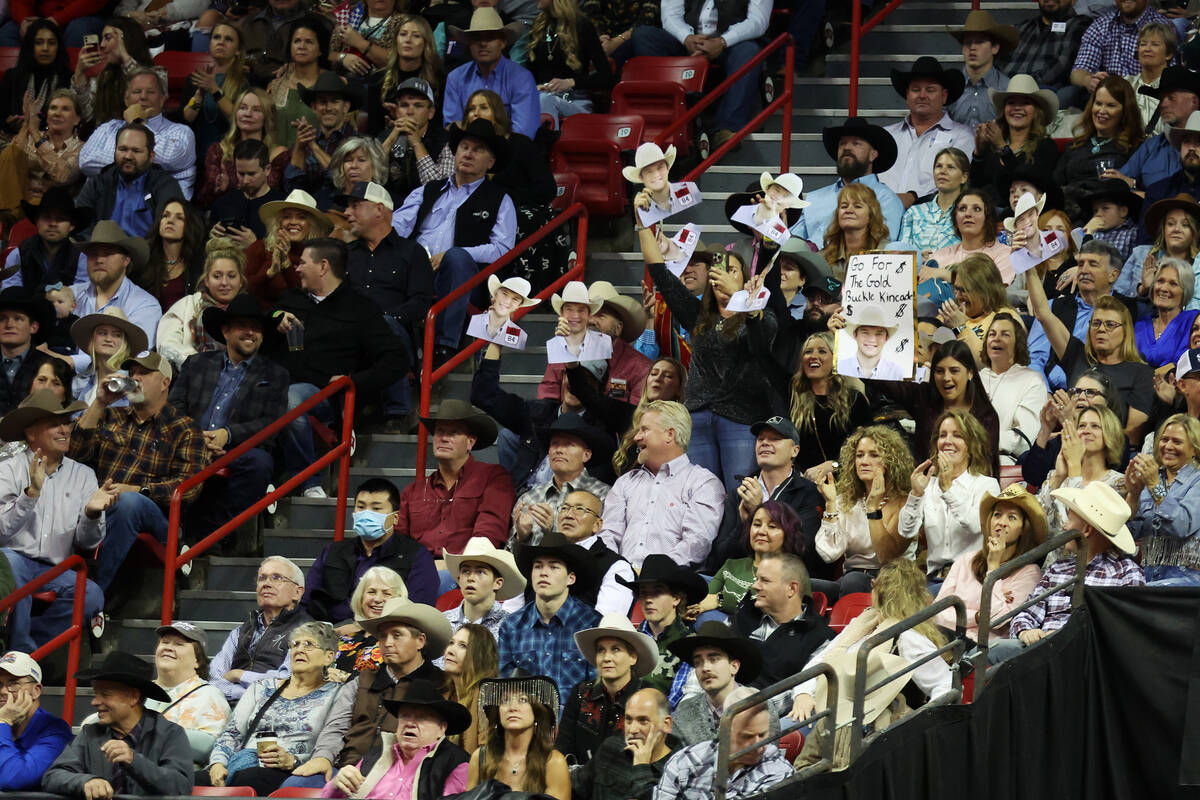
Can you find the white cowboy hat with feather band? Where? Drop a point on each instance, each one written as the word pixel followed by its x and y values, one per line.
pixel 618 626
pixel 518 286
pixel 481 549
pixel 575 292
pixel 790 183
pixel 648 153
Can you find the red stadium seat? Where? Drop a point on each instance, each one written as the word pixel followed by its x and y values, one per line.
pixel 637 616
pixel 847 608
pixel 567 184
pixel 449 600
pixel 8 57
pixel 548 121
pixel 180 66
pixel 1063 144
pixel 223 791
pixel 592 147
pixel 658 89
pixel 820 604
pixel 791 744
pixel 20 231
pixel 296 791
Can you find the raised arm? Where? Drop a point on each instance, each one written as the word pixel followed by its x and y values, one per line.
pixel 1056 332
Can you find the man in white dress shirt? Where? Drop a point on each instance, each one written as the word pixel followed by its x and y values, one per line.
pixel 927 130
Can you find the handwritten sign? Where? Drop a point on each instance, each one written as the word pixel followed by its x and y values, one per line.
pixel 879 340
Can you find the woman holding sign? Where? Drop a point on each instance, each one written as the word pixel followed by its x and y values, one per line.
pixel 729 391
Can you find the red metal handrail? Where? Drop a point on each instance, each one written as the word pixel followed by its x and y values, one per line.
pixel 429 376
pixel 174 559
pixel 73 633
pixel 858 29
pixel 784 101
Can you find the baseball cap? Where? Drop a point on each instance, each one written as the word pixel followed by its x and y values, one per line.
pixel 415 86
pixel 148 359
pixel 781 425
pixel 367 190
pixel 1188 363
pixel 185 629
pixel 20 665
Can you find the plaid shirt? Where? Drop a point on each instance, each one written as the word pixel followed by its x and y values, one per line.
pixel 156 455
pixel 1044 52
pixel 1122 237
pixel 1110 45
pixel 690 773
pixel 1107 569
pixel 927 227
pixel 491 620
pixel 526 641
pixel 549 493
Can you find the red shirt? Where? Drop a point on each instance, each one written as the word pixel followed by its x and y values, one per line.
pixel 626 365
pixel 480 504
pixel 63 11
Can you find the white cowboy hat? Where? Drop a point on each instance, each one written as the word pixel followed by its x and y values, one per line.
pixel 789 182
pixel 516 286
pixel 880 664
pixel 1024 203
pixel 574 292
pixel 618 626
pixel 633 316
pixel 480 549
pixel 1099 505
pixel 1175 135
pixel 1025 85
pixel 870 315
pixel 302 201
pixel 427 619
pixel 648 153
pixel 486 20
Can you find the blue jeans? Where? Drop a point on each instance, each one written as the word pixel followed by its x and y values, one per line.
pixel 558 106
pixel 1000 650
pixel 806 19
pixel 297 441
pixel 737 105
pixel 723 447
pixel 30 634
pixel 222 499
pixel 457 268
pixel 397 400
pixel 1169 575
pixel 308 781
pixel 132 514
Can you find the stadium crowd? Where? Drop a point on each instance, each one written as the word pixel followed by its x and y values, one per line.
pixel 196 265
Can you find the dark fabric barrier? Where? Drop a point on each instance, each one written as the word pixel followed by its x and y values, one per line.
pixel 1099 710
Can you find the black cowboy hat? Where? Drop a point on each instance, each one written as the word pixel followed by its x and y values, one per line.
pixel 1174 79
pixel 129 670
pixel 421 692
pixel 724 638
pixel 485 132
pixel 481 426
pixel 242 306
pixel 39 309
pixel 331 83
pixel 553 543
pixel 58 198
pixel 1042 181
pixel 659 568
pixel 1113 189
pixel 572 424
pixel 952 80
pixel 876 136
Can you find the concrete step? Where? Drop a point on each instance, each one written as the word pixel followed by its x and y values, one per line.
pixel 880 64
pixel 138 635
pixel 309 541
pixel 212 604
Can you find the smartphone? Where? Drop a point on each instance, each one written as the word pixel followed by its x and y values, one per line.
pixel 232 222
pixel 91 40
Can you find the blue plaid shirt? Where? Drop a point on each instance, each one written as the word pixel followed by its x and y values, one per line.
pixel 526 641
pixel 1110 45
pixel 927 227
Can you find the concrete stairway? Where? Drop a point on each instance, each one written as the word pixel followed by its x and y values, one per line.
pixel 221 593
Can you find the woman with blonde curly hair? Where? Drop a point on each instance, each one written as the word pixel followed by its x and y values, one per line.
pixel 181 331
pixel 253 118
pixel 857 227
pixel 946 490
pixel 271 262
pixel 566 59
pixel 825 407
pixel 862 508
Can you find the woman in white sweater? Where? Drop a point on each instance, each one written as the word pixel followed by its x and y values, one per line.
pixel 181 330
pixel 946 491
pixel 1017 392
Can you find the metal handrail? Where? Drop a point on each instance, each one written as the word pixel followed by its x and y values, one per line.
pixel 429 375
pixel 1034 556
pixel 721 778
pixel 784 100
pixel 174 559
pixel 74 632
pixel 861 690
pixel 858 29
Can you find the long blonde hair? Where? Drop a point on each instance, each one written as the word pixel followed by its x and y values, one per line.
pixel 278 246
pixel 804 400
pixel 566 32
pixel 979 451
pixel 1129 351
pixel 620 458
pixel 899 592
pixel 431 62
pixel 234 135
pixel 235 77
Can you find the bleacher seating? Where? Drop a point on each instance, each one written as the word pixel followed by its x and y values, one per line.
pixel 595 148
pixel 659 89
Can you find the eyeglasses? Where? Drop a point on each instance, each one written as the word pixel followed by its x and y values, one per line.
pixel 573 509
pixel 1079 390
pixel 304 644
pixel 1106 324
pixel 275 579
pixel 15 686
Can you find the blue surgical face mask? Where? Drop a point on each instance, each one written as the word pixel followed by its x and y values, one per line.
pixel 369 524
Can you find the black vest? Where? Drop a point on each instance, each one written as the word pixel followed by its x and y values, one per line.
pixel 11 394
pixel 604 559
pixel 36 273
pixel 338 580
pixel 729 13
pixel 272 647
pixel 435 769
pixel 474 220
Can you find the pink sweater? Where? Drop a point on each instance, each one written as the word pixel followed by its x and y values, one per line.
pixel 961 581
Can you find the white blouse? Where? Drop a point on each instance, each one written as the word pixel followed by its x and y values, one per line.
pixel 1018 395
pixel 950 519
pixel 850 536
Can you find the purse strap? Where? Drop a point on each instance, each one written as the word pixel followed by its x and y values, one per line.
pixel 263 709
